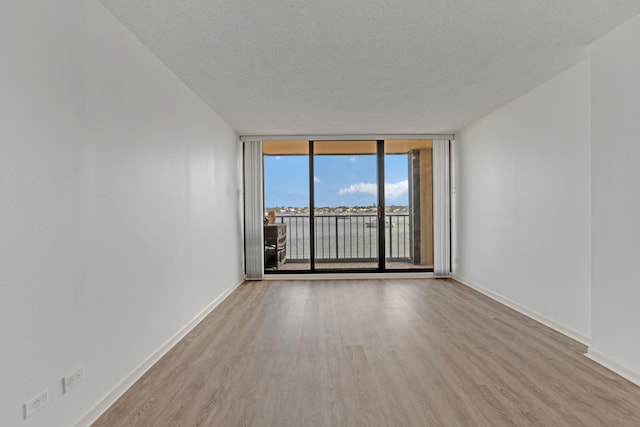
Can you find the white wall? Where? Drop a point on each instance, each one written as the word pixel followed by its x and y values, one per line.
pixel 120 217
pixel 616 202
pixel 523 203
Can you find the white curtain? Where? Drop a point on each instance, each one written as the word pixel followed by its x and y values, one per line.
pixel 441 209
pixel 253 215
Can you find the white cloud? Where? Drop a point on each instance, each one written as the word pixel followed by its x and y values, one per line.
pixel 316 179
pixel 363 187
pixel 352 159
pixel 392 190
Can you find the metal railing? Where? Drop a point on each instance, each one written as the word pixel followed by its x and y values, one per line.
pixel 348 238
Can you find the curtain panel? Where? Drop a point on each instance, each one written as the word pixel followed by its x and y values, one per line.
pixel 253 215
pixel 441 208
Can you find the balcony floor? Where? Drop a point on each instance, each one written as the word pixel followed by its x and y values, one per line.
pixel 301 266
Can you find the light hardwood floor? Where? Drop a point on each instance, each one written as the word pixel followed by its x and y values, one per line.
pixel 410 352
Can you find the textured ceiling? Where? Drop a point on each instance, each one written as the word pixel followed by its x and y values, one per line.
pixel 366 66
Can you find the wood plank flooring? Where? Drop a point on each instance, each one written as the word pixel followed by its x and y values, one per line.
pixel 409 352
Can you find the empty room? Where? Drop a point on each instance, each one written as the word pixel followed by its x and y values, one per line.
pixel 280 213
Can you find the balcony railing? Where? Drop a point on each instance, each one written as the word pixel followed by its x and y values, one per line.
pixel 347 238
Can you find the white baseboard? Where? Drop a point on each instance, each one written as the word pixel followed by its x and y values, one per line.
pixel 614 366
pixel 523 310
pixel 114 394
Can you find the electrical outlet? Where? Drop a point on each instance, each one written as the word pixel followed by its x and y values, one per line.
pixel 36 404
pixel 72 380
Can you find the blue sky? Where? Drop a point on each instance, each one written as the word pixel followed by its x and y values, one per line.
pixel 340 180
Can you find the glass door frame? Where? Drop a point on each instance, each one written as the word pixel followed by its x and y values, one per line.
pixel 380 233
pixel 382 244
pixel 380 215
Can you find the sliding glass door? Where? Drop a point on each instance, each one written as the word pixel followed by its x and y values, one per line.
pixel 287 230
pixel 348 206
pixel 408 191
pixel 345 188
